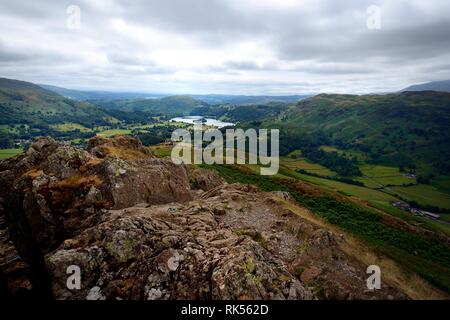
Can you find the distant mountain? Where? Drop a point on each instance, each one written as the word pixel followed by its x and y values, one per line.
pixel 443 86
pixel 245 100
pixel 208 98
pixel 99 95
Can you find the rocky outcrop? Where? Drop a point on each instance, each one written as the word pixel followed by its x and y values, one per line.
pixel 135 229
pixel 204 179
pixel 54 190
pixel 124 147
pixel 170 252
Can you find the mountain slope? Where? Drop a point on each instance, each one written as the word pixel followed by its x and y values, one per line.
pixel 443 86
pixel 26 103
pixel 82 95
pixel 409 129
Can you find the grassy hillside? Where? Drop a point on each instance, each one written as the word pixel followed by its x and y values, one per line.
pixel 422 253
pixel 25 103
pixel 97 95
pixel 28 110
pixel 411 129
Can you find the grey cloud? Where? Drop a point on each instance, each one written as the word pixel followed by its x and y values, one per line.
pixel 249 46
pixel 243 65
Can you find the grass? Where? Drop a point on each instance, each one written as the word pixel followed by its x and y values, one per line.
pixel 66 127
pixel 302 163
pixel 424 195
pixel 113 132
pixel 376 176
pixel 161 151
pixel 9 153
pixel 347 189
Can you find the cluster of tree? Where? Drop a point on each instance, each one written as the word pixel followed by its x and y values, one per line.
pixel 443 166
pixel 332 160
pixel 290 142
pixel 309 145
pixel 241 113
pixel 155 135
pixel 131 117
pixel 6 142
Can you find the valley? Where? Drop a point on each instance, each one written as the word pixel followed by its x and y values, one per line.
pixel 338 154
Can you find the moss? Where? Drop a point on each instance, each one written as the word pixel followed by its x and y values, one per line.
pixel 250 266
pixel 121 252
pixel 284 278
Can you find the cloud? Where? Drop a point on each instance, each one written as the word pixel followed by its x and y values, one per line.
pixel 233 46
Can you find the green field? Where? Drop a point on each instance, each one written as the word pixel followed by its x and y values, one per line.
pixel 376 176
pixel 113 132
pixel 375 198
pixel 424 195
pixel 161 151
pixel 347 189
pixel 304 164
pixel 8 153
pixel 65 127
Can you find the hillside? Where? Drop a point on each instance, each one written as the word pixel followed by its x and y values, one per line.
pixel 242 113
pixel 443 86
pixel 411 129
pixel 248 100
pixel 83 95
pixel 167 106
pixel 27 110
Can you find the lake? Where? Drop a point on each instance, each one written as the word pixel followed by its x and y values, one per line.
pixel 209 122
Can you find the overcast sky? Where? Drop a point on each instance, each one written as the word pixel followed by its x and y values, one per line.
pixel 226 46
